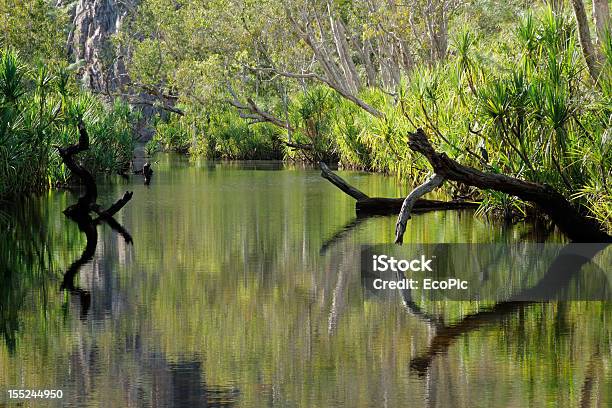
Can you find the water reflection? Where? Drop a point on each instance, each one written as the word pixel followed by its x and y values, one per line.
pixel 243 288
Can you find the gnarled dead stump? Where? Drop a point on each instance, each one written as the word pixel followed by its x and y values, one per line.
pixel 81 214
pixel 87 202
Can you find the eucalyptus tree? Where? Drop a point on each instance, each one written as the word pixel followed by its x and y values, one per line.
pixel 35 28
pixel 601 17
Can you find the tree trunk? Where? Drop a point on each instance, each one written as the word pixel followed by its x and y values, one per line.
pixel 576 225
pixel 436 21
pixel 365 50
pixel 601 16
pixel 584 34
pixel 87 202
pixel 83 205
pixel 353 82
pixel 333 77
pixel 400 227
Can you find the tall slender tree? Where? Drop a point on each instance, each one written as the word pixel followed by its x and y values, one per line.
pixel 586 43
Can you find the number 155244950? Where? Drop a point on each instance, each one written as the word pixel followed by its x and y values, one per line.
pixel 35 394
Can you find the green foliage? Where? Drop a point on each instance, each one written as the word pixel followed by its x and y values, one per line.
pixel 39 109
pixel 36 28
pixel 170 135
pixel 313 113
pixel 512 94
pixel 229 137
pixel 223 135
pixel 528 106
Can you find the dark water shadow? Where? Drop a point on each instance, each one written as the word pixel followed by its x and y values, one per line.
pixel 341 233
pixel 26 260
pixel 188 387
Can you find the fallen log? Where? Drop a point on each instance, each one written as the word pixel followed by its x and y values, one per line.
pixel 339 182
pixel 366 205
pixel 384 206
pixel 571 220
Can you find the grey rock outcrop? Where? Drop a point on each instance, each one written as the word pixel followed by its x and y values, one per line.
pixel 90 42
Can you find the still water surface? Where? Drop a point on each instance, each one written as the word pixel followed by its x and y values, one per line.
pixel 242 288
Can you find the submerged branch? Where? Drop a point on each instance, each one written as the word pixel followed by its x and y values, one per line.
pixel 388 206
pixel 118 205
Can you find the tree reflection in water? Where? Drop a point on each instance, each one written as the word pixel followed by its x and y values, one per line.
pixel 177 384
pixel 89 228
pixel 564 267
pixel 551 287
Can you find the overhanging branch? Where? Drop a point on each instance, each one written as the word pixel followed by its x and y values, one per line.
pixel 332 84
pixel 576 225
pixel 254 113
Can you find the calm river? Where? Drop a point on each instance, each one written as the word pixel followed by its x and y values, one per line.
pixel 242 288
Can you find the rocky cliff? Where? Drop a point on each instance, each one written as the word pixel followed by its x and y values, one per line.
pixel 90 42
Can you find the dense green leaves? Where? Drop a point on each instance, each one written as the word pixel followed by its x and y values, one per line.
pixel 39 110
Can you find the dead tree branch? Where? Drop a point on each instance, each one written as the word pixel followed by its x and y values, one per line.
pixel 87 202
pixel 366 205
pixel 67 154
pixel 339 182
pixel 338 88
pixel 254 113
pixel 400 227
pixel 573 221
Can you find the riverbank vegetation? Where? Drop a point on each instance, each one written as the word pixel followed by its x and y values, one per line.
pixel 506 87
pixel 41 102
pixel 39 110
pixel 514 87
pixel 39 113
